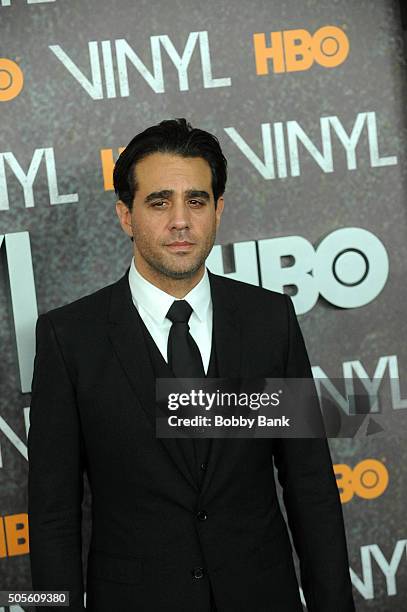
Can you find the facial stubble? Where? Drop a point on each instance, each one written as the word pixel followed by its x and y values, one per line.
pixel 160 262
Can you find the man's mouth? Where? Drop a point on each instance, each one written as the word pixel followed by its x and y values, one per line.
pixel 180 245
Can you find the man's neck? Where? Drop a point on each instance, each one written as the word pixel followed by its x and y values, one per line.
pixel 177 287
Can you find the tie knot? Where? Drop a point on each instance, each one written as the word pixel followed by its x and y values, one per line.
pixel 179 312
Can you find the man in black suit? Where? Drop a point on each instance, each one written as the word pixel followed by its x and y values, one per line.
pixel 178 525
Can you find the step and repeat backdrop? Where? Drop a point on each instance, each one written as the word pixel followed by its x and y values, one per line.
pixel 308 101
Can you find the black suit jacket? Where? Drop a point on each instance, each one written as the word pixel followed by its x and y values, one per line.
pixel 93 409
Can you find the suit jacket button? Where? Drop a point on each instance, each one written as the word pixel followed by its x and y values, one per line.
pixel 203 466
pixel 202 516
pixel 198 573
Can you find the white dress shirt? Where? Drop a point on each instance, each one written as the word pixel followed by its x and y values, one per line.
pixel 153 304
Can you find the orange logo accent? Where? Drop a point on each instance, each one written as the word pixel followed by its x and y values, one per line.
pixel 368 479
pixel 106 155
pixel 11 79
pixel 14 538
pixel 294 50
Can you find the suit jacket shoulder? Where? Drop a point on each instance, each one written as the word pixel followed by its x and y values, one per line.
pixel 250 295
pixel 80 329
pixel 93 306
pixel 256 305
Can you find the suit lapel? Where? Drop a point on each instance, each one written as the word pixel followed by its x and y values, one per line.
pixel 226 329
pixel 129 345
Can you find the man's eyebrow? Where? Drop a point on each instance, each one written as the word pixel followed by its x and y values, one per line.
pixel 167 193
pixel 156 195
pixel 198 193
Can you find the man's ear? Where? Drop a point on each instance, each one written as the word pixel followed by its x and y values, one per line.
pixel 124 215
pixel 219 209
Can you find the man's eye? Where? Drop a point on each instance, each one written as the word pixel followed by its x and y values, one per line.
pixel 162 203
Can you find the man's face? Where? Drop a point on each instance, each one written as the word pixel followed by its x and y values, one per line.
pixel 173 219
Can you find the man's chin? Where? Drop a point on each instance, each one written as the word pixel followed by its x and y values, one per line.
pixel 180 271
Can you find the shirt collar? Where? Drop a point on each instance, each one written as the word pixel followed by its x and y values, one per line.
pixel 157 302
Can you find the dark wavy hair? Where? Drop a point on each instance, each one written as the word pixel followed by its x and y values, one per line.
pixel 175 136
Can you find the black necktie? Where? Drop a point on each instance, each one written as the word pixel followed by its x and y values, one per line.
pixel 184 357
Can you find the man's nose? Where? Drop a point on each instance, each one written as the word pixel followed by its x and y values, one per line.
pixel 180 215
